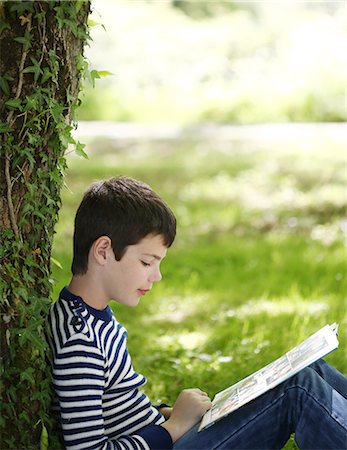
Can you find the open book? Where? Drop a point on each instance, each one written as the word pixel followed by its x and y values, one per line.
pixel 313 348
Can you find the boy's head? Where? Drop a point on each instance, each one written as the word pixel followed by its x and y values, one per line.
pixel 125 210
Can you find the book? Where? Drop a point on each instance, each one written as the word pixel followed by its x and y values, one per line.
pixel 310 350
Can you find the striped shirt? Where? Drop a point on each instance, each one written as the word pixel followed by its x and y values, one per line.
pixel 97 389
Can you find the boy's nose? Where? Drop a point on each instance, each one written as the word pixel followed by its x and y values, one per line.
pixel 155 276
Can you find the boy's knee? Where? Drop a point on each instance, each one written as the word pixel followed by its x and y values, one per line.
pixel 319 366
pixel 308 379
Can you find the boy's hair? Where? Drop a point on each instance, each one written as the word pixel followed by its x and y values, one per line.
pixel 125 210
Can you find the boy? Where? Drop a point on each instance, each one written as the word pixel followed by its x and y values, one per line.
pixel 122 232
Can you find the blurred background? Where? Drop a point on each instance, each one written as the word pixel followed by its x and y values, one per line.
pixel 220 61
pixel 234 112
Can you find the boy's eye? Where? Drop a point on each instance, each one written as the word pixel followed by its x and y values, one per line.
pixel 144 263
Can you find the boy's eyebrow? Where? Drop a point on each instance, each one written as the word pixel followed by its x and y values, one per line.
pixel 154 256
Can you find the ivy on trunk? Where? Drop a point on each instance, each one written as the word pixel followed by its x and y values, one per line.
pixel 40 71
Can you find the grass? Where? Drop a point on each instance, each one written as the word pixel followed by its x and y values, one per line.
pixel 259 262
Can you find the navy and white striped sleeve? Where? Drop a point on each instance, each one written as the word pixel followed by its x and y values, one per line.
pixel 79 382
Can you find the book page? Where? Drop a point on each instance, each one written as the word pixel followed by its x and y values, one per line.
pixel 304 354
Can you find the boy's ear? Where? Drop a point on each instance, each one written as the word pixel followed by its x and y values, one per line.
pixel 101 249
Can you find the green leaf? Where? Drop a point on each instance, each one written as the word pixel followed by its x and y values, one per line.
pixel 79 4
pixel 24 416
pixel 94 74
pixel 30 69
pixel 4 86
pixel 25 40
pixel 35 69
pixel 40 17
pixel 14 103
pixel 4 26
pixel 92 23
pixel 79 150
pixel 22 293
pixel 65 137
pixel 36 140
pixel 28 375
pixel 21 7
pixel 56 111
pixel 5 128
pixel 32 102
pixel 56 262
pixel 44 438
pixel 82 64
pixel 33 337
pixel 46 75
pixel 72 25
pixel 104 73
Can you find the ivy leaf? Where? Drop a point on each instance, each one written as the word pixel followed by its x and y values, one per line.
pixel 24 416
pixel 30 157
pixel 21 293
pixel 28 375
pixel 82 64
pixel 32 337
pixel 4 26
pixel 33 139
pixel 24 20
pixel 5 128
pixel 65 137
pixel 20 39
pixel 14 103
pixel 104 73
pixel 56 262
pixel 72 25
pixel 35 69
pixel 4 85
pixel 40 17
pixel 25 40
pixel 21 7
pixel 32 102
pixel 92 23
pixel 79 150
pixel 79 4
pixel 94 74
pixel 46 75
pixel 56 111
pixel 44 438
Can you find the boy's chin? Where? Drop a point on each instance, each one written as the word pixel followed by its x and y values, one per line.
pixel 130 302
pixel 134 303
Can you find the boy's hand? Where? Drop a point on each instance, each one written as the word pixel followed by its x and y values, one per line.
pixel 166 411
pixel 190 406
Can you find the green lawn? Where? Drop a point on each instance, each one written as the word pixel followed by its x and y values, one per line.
pixel 259 262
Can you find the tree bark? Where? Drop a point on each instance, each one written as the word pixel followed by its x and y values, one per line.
pixel 40 69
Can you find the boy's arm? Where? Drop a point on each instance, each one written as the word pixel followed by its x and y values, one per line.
pixel 79 383
pixel 80 396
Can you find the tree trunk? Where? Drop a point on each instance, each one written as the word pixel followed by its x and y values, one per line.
pixel 41 63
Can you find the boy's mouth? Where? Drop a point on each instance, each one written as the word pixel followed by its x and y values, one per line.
pixel 143 291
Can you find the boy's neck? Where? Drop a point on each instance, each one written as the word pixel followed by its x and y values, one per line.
pixel 85 288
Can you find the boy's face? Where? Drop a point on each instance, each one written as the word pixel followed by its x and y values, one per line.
pixel 127 280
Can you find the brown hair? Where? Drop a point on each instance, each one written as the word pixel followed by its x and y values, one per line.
pixel 125 210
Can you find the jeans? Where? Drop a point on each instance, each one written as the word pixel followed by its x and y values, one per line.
pixel 312 404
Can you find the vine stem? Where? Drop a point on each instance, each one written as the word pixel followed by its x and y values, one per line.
pixel 9 196
pixel 22 62
pixel 10 121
